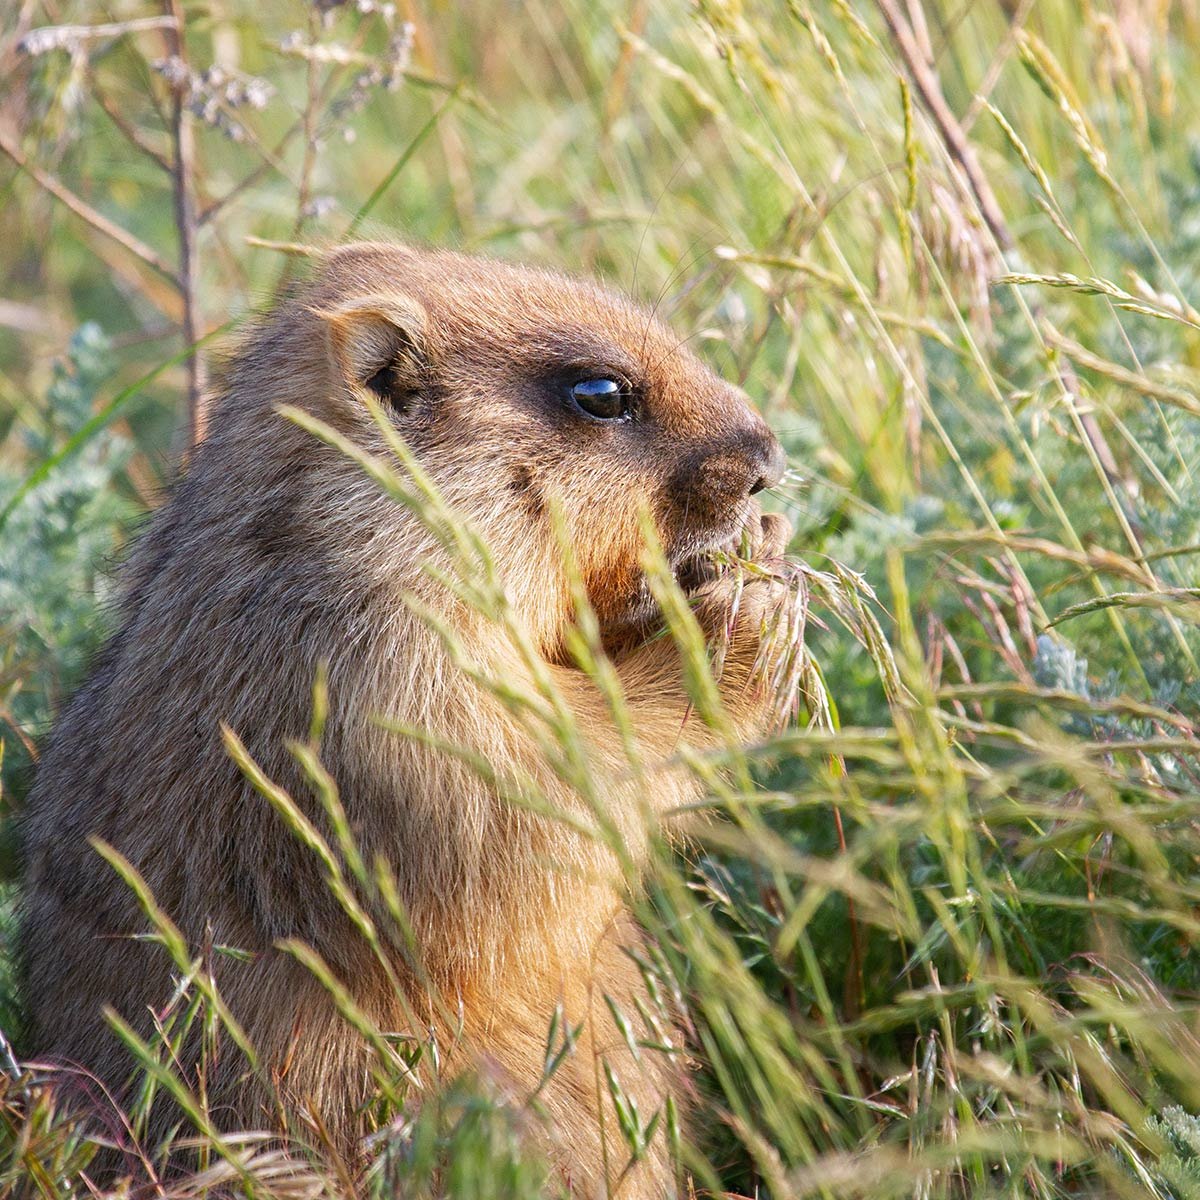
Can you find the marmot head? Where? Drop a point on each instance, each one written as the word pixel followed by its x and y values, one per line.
pixel 520 390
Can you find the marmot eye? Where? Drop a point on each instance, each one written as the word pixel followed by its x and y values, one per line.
pixel 607 399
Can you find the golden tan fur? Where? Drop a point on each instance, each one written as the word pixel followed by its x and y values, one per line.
pixel 276 554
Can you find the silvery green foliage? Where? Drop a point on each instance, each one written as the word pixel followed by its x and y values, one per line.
pixel 57 545
pixel 1179 1166
pixel 1059 667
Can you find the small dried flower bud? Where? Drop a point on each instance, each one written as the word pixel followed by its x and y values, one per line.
pixel 175 71
pixel 319 206
pixel 258 92
pixel 49 37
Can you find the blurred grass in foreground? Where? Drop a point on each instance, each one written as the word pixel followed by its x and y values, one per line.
pixel 948 946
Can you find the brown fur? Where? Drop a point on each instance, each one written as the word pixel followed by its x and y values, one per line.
pixel 276 554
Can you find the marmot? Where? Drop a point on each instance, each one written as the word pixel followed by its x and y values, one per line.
pixel 544 409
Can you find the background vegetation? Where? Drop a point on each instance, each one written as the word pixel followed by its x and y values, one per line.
pixel 948 946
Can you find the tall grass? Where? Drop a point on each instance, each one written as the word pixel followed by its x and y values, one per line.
pixel 942 941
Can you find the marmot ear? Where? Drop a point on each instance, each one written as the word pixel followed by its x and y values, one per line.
pixel 378 343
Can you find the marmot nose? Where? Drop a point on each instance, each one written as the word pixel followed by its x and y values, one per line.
pixel 772 463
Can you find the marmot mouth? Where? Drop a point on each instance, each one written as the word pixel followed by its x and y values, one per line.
pixel 701 567
pixel 694 570
pixel 701 561
pixel 697 570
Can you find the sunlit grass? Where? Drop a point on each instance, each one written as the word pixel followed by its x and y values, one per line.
pixel 940 939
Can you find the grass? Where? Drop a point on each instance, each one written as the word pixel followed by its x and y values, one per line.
pixel 944 942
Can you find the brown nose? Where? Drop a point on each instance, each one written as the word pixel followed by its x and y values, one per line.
pixel 713 483
pixel 772 463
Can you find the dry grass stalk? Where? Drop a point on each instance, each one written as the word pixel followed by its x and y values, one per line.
pixel 962 154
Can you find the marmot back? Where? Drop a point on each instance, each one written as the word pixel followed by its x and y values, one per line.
pixel 536 404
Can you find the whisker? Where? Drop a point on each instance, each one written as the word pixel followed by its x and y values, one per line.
pixel 637 258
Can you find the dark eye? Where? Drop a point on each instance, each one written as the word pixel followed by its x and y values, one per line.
pixel 608 399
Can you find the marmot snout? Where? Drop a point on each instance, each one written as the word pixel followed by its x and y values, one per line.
pixel 522 395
